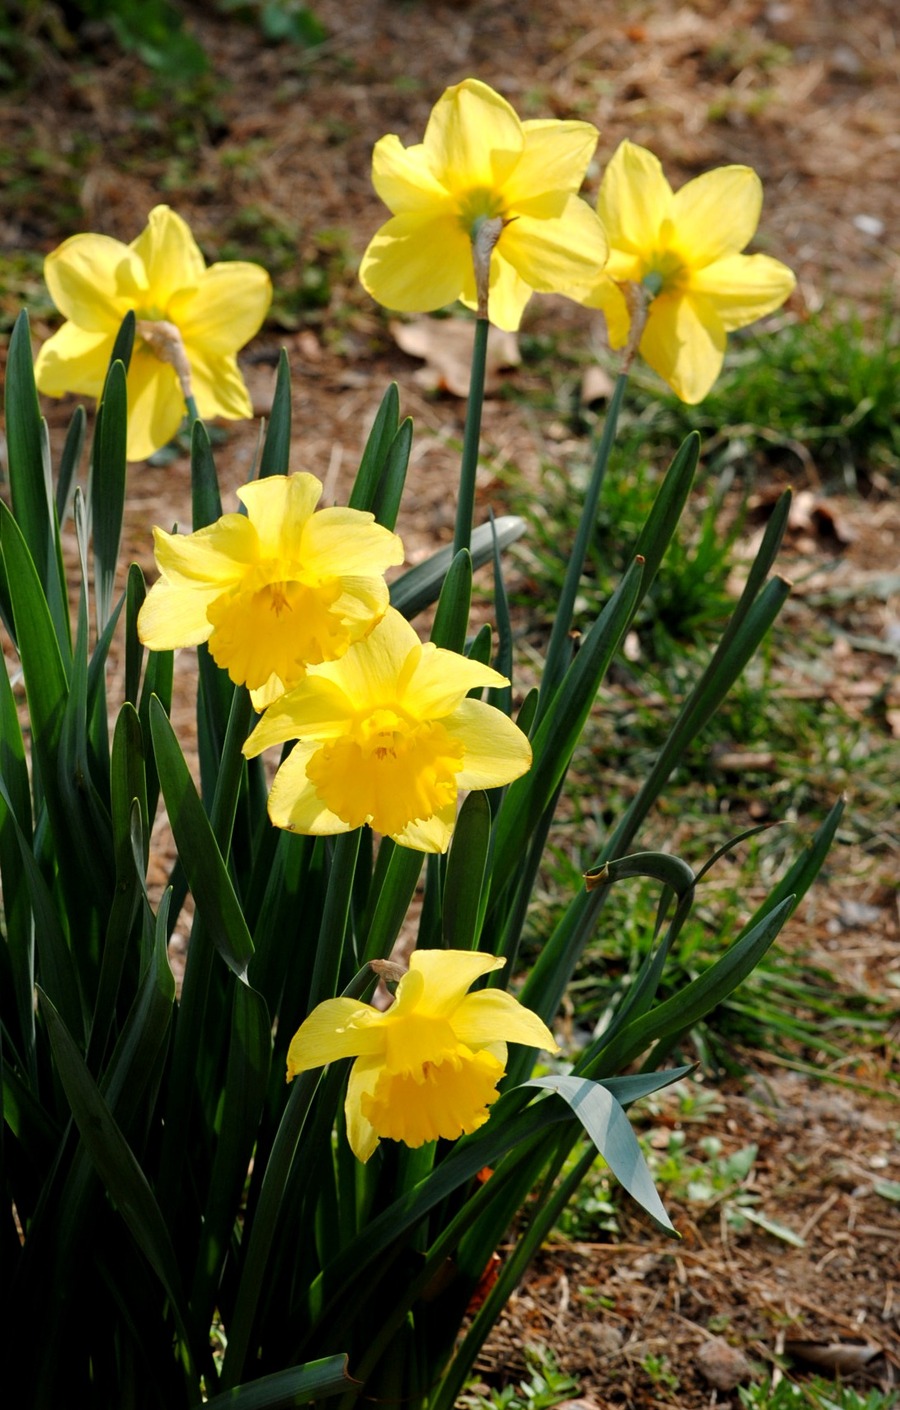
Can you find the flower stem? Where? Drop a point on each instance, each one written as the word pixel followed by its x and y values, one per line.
pixel 465 507
pixel 557 651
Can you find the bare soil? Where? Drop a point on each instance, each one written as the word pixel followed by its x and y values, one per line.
pixel 806 92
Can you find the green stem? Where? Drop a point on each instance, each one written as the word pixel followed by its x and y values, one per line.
pixel 558 649
pixel 465 506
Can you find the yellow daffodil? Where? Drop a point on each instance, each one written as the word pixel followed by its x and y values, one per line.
pixel 429 1066
pixel 387 737
pixel 191 323
pixel 483 178
pixel 273 590
pixel 682 250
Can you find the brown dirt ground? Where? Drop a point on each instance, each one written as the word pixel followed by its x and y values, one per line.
pixel 806 92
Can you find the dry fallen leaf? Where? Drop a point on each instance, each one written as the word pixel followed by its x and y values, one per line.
pixel 839 1356
pixel 445 346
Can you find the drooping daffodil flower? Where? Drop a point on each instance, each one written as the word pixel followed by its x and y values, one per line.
pixel 386 737
pixel 272 591
pixel 427 1068
pixel 678 255
pixel 191 321
pixel 483 188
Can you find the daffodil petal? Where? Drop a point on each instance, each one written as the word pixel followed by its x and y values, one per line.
pixel 225 309
pixel 216 555
pixel 560 254
pixel 294 803
pixel 497 751
pixel 156 405
pixel 607 295
pixel 316 709
pixel 552 164
pixel 446 976
pixel 347 542
pixel 175 616
pixel 440 680
pixel 743 287
pixel 473 137
pixel 490 1014
pixel 716 214
pixel 684 342
pixel 403 177
pixel 337 1028
pixel 218 387
pixel 73 361
pixel 94 280
pixel 361 1134
pixel 635 198
pixel 169 253
pixel 419 262
pixel 279 507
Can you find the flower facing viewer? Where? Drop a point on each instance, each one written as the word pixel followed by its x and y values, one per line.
pixel 481 178
pixel 387 737
pixel 683 249
pixel 191 321
pixel 273 590
pixel 429 1066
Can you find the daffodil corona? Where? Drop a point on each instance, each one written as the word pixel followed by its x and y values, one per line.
pixel 387 737
pixel 680 253
pixel 273 590
pixel 191 322
pixel 482 181
pixel 429 1066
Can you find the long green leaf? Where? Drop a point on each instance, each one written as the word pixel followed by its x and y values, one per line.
pixel 381 436
pixel 197 847
pixel 612 1134
pixel 106 490
pixel 117 1166
pixel 297 1386
pixel 421 586
pixel 276 451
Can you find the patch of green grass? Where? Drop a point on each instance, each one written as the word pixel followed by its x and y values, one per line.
pixel 815 1394
pixel 544 1386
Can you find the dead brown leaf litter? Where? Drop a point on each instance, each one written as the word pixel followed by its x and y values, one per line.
pixel 805 92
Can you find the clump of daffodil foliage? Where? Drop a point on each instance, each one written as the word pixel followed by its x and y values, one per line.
pixel 284 1183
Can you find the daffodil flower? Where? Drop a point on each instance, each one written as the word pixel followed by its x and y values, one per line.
pixel 680 253
pixel 483 181
pixel 191 320
pixel 429 1066
pixel 273 590
pixel 388 738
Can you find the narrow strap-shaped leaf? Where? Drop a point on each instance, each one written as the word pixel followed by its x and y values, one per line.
pixel 462 912
pixel 135 593
pixel 206 503
pixel 451 619
pixel 197 847
pixel 421 586
pixel 665 514
pixel 24 449
pixel 315 1380
pixel 15 823
pixel 692 1002
pixel 557 647
pixel 244 1094
pixel 560 731
pixel 612 1134
pixel 381 436
pixel 69 460
pixel 400 873
pixel 503 661
pixel 106 489
pixel 389 492
pixel 117 1167
pixel 468 469
pixel 276 451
